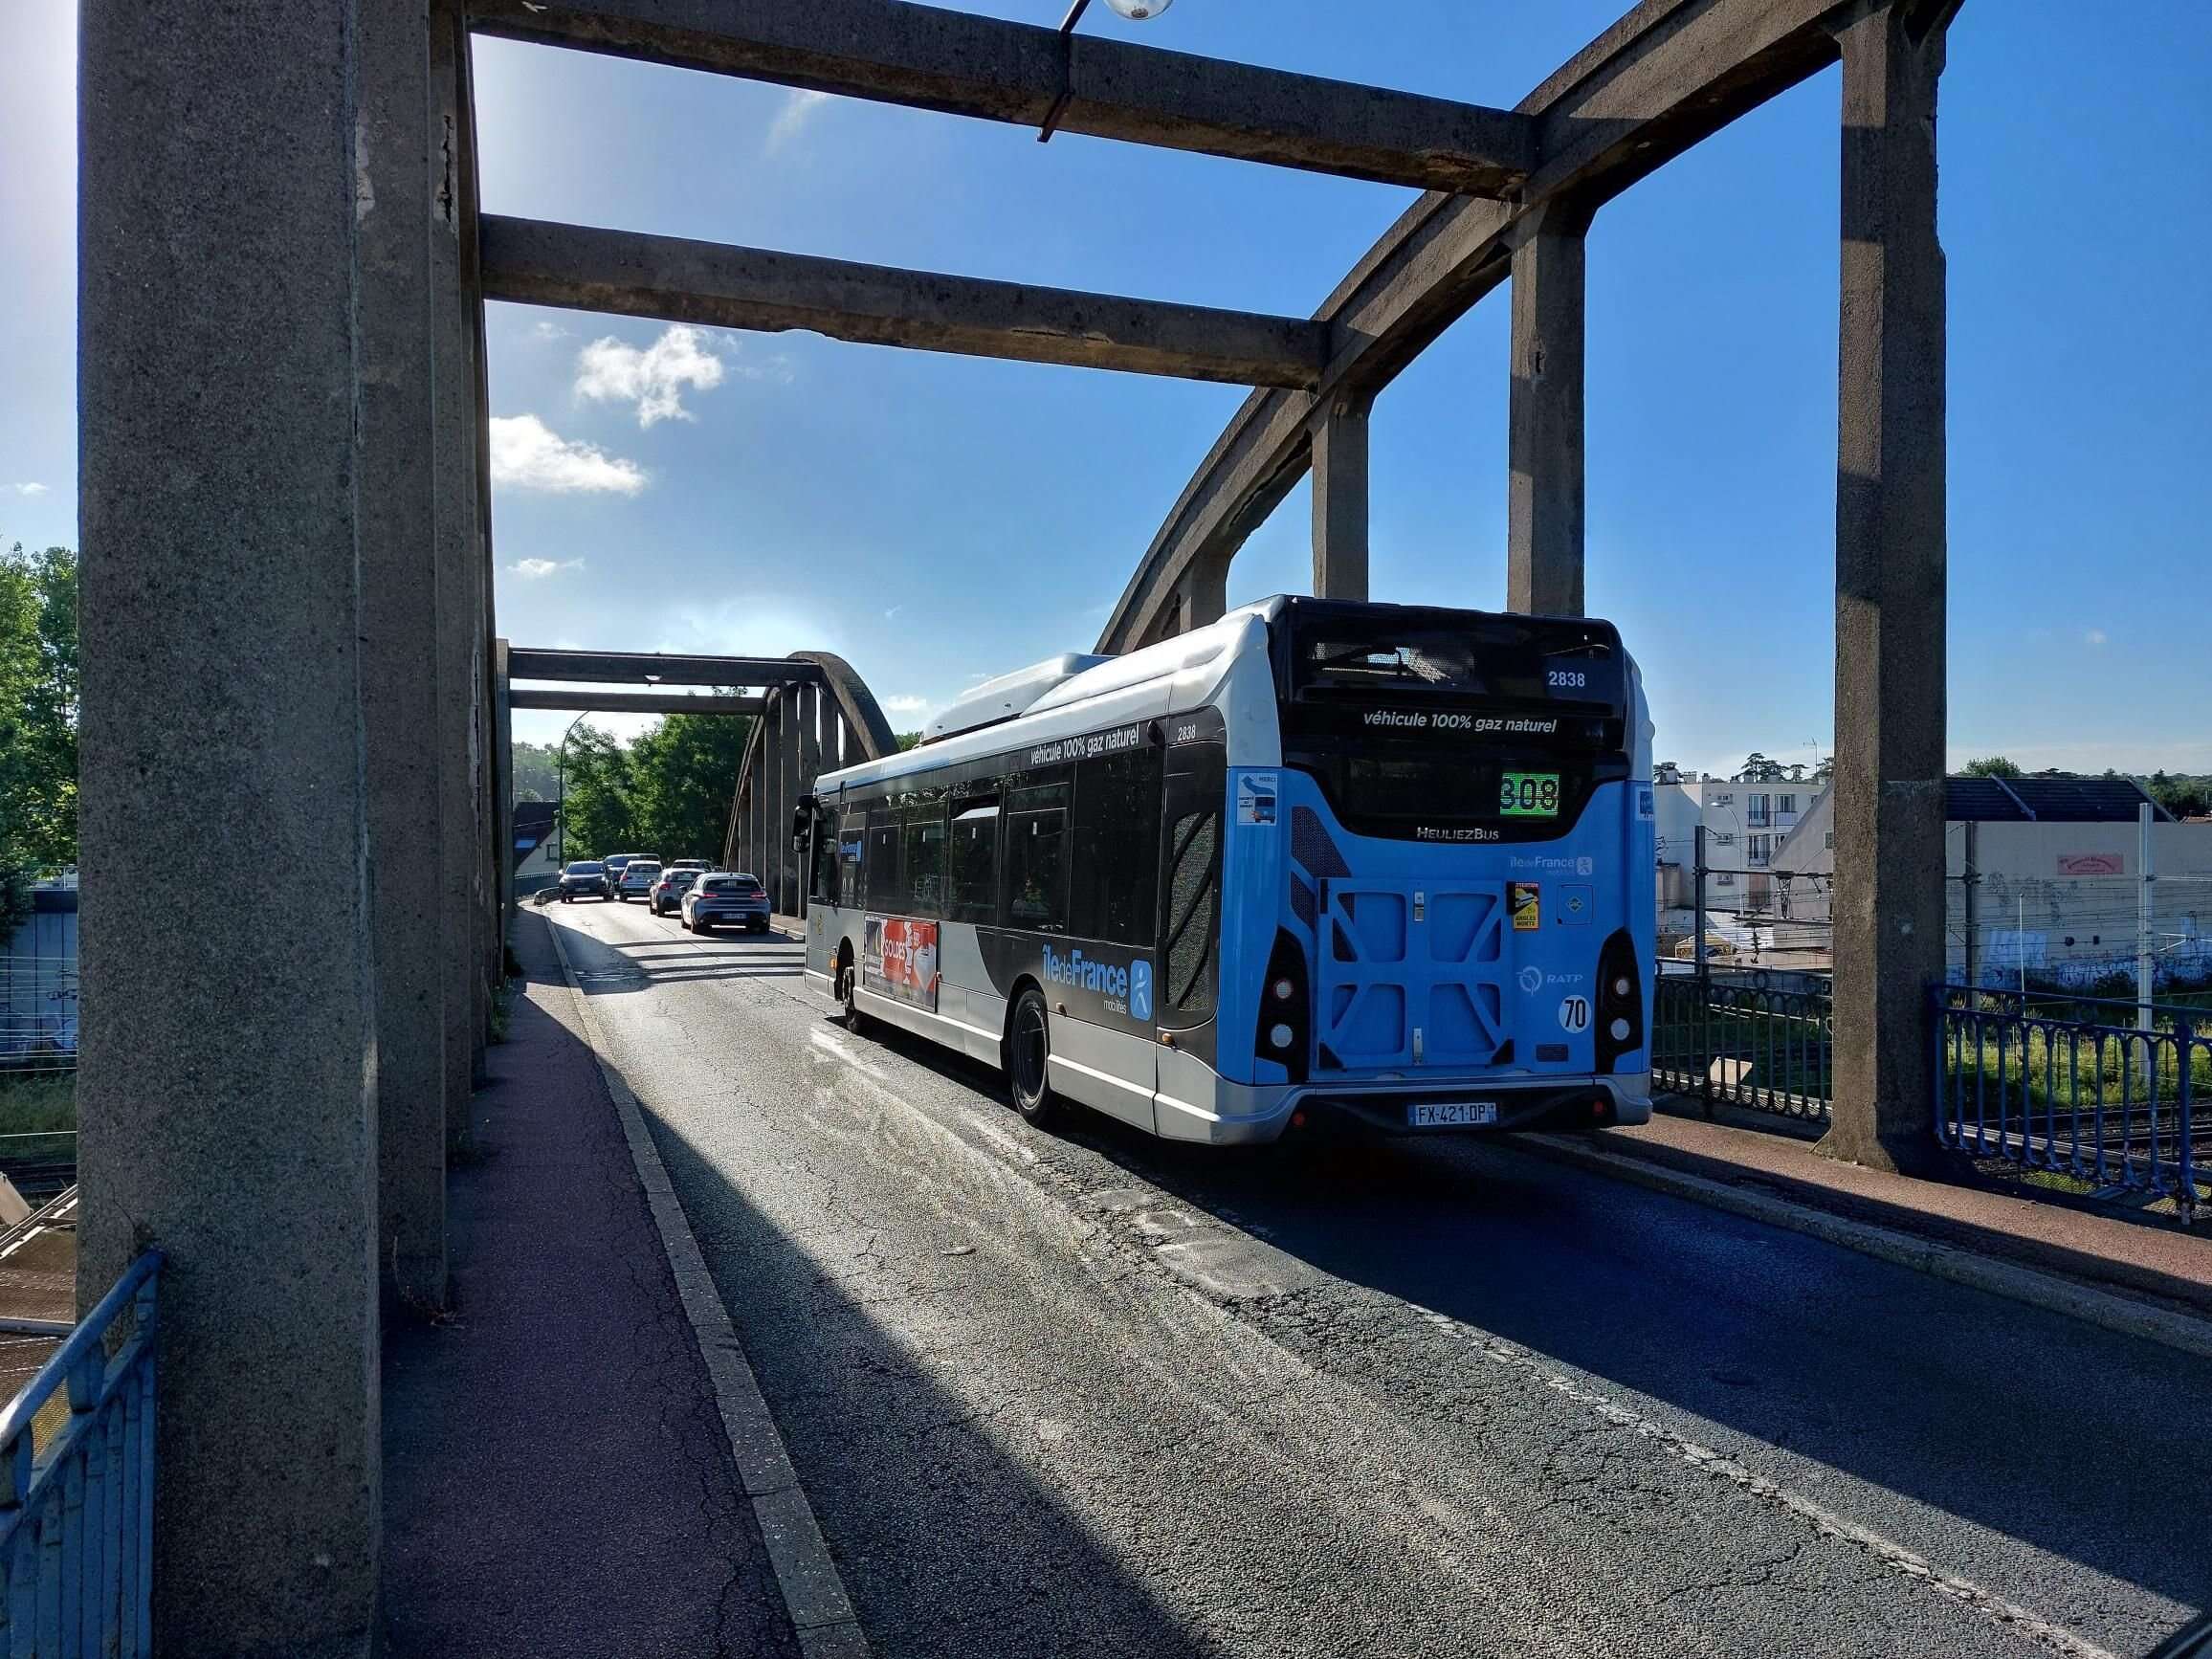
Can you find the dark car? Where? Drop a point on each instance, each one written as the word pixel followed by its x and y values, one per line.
pixel 585 878
pixel 725 895
pixel 670 887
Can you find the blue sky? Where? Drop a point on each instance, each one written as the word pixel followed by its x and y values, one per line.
pixel 938 518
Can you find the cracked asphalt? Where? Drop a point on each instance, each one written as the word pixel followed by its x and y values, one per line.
pixel 1091 1393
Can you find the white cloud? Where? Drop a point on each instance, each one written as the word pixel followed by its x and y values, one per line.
pixel 892 612
pixel 2094 636
pixel 526 455
pixel 905 705
pixel 544 330
pixel 534 568
pixel 797 111
pixel 29 489
pixel 654 378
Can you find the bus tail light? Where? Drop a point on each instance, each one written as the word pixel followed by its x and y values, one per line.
pixel 1283 1029
pixel 1620 1021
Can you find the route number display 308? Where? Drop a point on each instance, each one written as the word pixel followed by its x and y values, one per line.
pixel 1529 794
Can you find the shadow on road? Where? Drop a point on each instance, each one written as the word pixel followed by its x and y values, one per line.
pixel 2038 1427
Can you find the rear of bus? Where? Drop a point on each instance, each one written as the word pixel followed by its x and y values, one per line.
pixel 1438 909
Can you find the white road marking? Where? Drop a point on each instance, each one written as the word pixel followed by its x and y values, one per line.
pixel 1824 1521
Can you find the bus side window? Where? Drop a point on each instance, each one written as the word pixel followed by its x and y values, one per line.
pixel 972 892
pixel 1115 864
pixel 922 835
pixel 1037 870
pixel 1190 861
pixel 882 860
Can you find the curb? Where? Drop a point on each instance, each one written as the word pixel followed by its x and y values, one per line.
pixel 2105 1309
pixel 814 1593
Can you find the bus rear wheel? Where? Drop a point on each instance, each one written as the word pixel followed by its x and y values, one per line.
pixel 1029 1059
pixel 847 984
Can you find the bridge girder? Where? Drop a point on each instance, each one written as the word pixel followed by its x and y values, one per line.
pixel 1667 75
pixel 931 57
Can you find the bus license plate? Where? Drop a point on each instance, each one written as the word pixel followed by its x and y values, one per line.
pixel 1453 1113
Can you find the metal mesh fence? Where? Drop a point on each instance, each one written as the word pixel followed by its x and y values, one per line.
pixel 38 1008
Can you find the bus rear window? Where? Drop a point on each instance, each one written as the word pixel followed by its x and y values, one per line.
pixel 1501 658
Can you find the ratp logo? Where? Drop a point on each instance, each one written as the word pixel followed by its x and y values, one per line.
pixel 1140 991
pixel 1532 979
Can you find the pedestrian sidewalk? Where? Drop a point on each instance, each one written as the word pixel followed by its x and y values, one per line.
pixel 556 1479
pixel 2168 1268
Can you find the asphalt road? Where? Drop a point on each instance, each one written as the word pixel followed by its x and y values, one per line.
pixel 1095 1394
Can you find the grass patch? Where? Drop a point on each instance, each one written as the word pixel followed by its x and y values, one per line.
pixel 35 1102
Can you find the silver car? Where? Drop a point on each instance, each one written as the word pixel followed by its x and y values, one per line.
pixel 726 895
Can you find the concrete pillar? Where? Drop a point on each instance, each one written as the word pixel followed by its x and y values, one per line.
pixel 1201 596
pixel 457 843
pixel 399 628
pixel 503 791
pixel 1890 598
pixel 810 767
pixel 788 787
pixel 1341 501
pixel 229 1060
pixel 1544 500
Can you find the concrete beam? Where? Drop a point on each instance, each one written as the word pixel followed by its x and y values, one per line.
pixel 964 64
pixel 1664 77
pixel 1340 502
pixel 664 668
pixel 632 702
pixel 582 268
pixel 230 1117
pixel 1545 549
pixel 401 692
pixel 1891 587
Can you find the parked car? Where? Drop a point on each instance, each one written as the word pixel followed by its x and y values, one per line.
pixel 674 882
pixel 725 895
pixel 584 879
pixel 637 878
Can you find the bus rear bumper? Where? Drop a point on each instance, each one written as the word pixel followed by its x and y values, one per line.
pixel 1246 1114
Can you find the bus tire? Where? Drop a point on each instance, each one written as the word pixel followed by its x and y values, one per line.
pixel 1029 1059
pixel 847 995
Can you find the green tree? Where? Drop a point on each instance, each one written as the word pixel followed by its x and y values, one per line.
pixel 683 774
pixel 38 689
pixel 908 740
pixel 1993 767
pixel 1759 769
pixel 536 772
pixel 598 814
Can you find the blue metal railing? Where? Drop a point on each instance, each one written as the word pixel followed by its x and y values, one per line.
pixel 76 1501
pixel 1768 1046
pixel 2088 1094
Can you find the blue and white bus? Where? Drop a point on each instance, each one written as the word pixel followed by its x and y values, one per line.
pixel 1389 864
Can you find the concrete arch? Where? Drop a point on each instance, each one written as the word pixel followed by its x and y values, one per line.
pixel 1664 77
pixel 814 725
